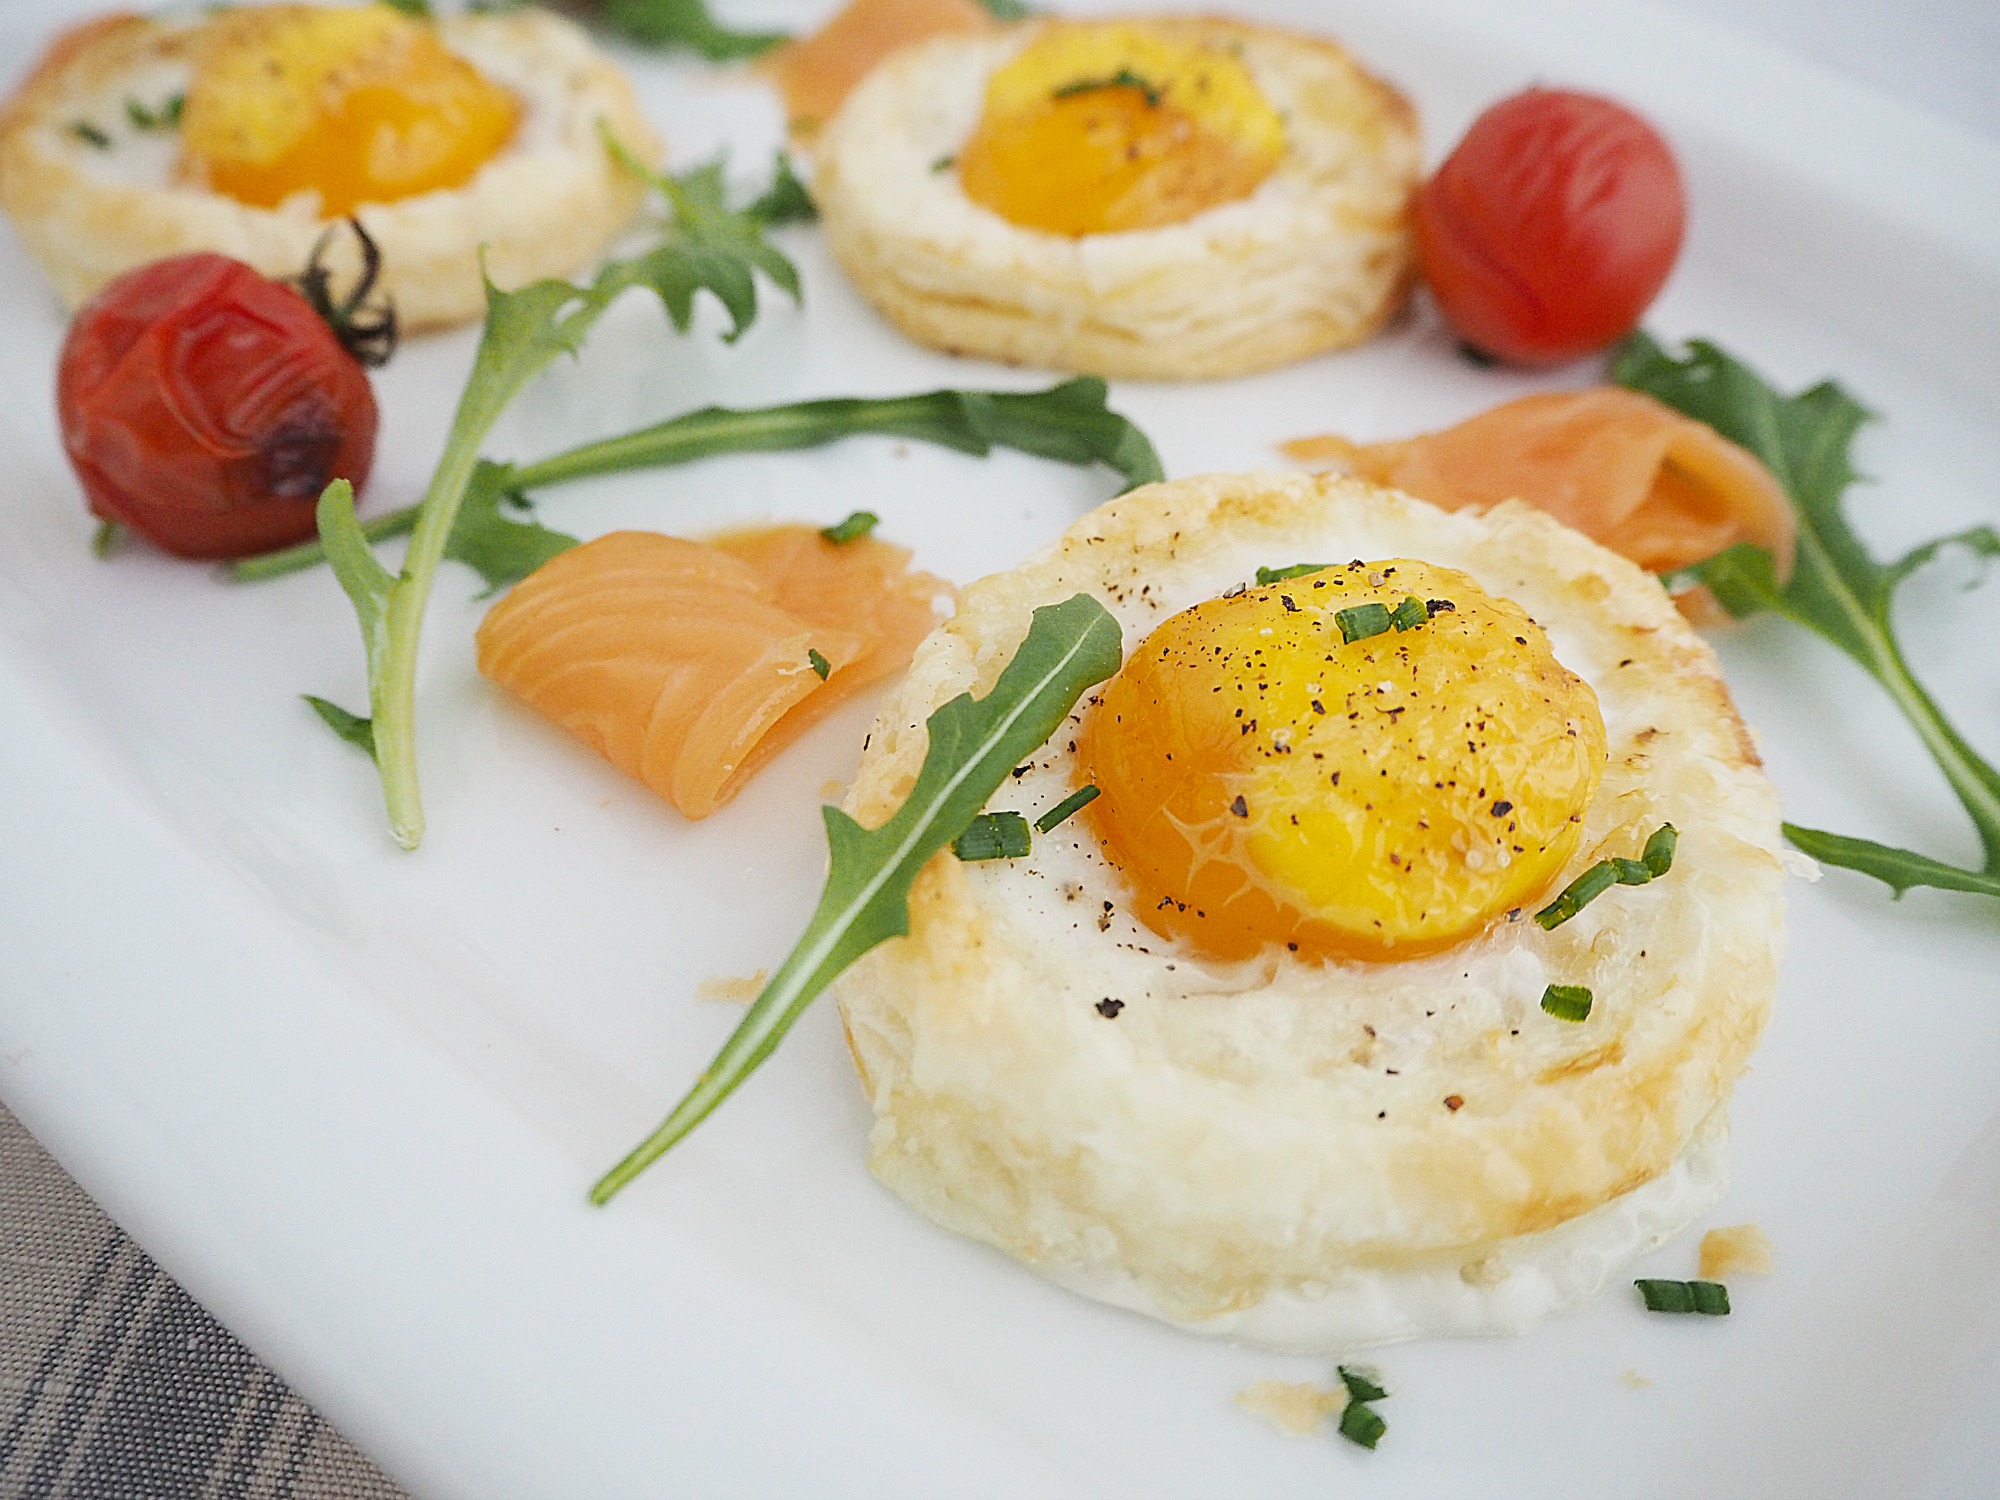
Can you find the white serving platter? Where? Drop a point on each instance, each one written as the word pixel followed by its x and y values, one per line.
pixel 352 1097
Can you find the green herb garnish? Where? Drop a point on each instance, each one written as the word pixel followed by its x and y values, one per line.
pixel 1359 1421
pixel 974 744
pixel 859 524
pixel 1361 621
pixel 1362 1424
pixel 1007 10
pixel 166 117
pixel 819 664
pixel 1068 422
pixel 90 135
pixel 1409 614
pixel 707 247
pixel 1658 855
pixel 1066 809
pixel 1578 894
pixel 944 163
pixel 1656 859
pixel 1279 575
pixel 1124 78
pixel 1567 1002
pixel 356 730
pixel 420 9
pixel 1837 589
pixel 686 25
pixel 786 200
pixel 994 835
pixel 1710 1297
pixel 1361 1384
pixel 104 539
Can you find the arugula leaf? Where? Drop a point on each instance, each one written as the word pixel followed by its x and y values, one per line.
pixel 786 200
pixel 686 24
pixel 351 727
pixel 705 248
pixel 974 744
pixel 1068 422
pixel 1837 589
pixel 501 549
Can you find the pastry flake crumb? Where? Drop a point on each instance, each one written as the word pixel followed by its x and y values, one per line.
pixel 733 989
pixel 1487 1271
pixel 1734 1250
pixel 1298 1408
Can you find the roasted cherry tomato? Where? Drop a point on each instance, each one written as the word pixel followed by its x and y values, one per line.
pixel 1552 226
pixel 206 406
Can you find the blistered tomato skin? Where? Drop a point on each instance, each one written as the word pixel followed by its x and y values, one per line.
pixel 205 407
pixel 1550 229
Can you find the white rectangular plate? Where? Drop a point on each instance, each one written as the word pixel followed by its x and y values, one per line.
pixel 353 1097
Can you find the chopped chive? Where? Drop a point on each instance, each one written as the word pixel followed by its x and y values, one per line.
pixel 1708 1297
pixel 1361 621
pixel 1659 851
pixel 166 117
pixel 104 538
pixel 1578 894
pixel 944 163
pixel 1000 835
pixel 90 135
pixel 1567 1002
pixel 1279 575
pixel 1653 862
pixel 1124 78
pixel 819 663
pixel 1409 614
pixel 1074 803
pixel 859 524
pixel 1361 1384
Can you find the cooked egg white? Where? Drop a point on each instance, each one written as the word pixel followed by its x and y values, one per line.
pixel 499 147
pixel 1321 1149
pixel 1170 197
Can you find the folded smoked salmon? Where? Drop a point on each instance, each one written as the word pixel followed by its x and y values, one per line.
pixel 1620 467
pixel 691 664
pixel 815 74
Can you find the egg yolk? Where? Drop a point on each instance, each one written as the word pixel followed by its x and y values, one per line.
pixel 1097 128
pixel 360 105
pixel 1266 780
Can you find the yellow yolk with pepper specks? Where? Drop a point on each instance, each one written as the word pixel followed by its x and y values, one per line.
pixel 1266 781
pixel 1098 128
pixel 359 104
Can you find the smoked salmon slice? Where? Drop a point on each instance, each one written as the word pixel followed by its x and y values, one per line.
pixel 689 665
pixel 1624 469
pixel 816 73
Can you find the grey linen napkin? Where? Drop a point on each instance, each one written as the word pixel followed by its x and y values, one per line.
pixel 116 1385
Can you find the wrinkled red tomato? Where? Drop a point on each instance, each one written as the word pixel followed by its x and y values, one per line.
pixel 1551 228
pixel 206 406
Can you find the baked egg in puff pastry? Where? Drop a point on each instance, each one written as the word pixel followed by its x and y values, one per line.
pixel 1256 1042
pixel 1167 197
pixel 249 131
